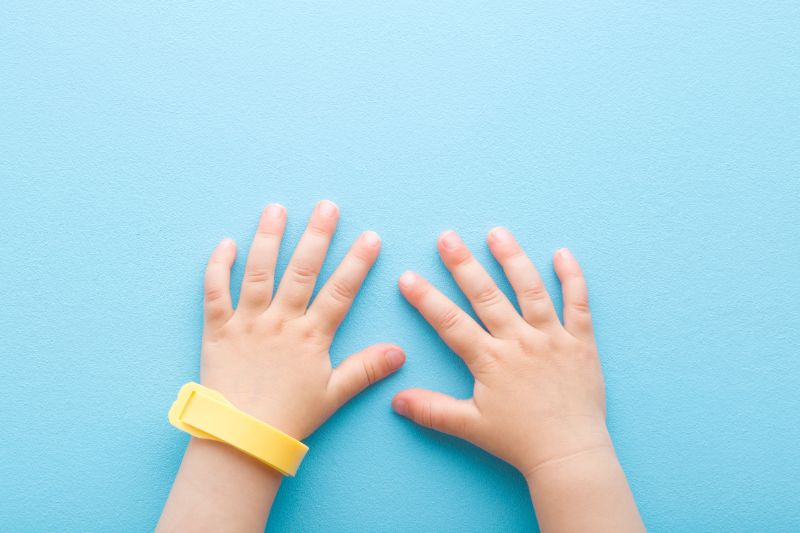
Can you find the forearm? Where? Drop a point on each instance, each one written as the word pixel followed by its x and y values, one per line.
pixel 586 491
pixel 218 488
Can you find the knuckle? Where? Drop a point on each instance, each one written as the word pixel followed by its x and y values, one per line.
pixel 370 373
pixel 215 313
pixel 214 334
pixel 427 416
pixel 448 319
pixel 434 416
pixel 515 253
pixel 580 305
pixel 556 343
pixel 273 323
pixel 308 332
pixel 464 260
pixel 214 295
pixel 362 256
pixel 487 295
pixel 340 291
pixel 486 362
pixel 530 343
pixel 535 292
pixel 318 230
pixel 345 391
pixel 266 232
pixel 575 276
pixel 303 272
pixel 258 275
pixel 248 327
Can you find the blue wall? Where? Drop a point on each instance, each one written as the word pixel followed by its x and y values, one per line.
pixel 660 142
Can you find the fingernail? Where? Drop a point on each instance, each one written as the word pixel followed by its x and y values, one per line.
pixel 451 240
pixel 275 211
pixel 566 255
pixel 407 280
pixel 401 407
pixel 500 235
pixel 371 239
pixel 227 242
pixel 327 208
pixel 395 358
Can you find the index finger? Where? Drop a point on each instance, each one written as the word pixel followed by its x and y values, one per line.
pixel 454 326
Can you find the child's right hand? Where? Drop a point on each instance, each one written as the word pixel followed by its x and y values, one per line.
pixel 539 394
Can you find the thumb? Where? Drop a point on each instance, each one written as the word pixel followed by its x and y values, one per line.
pixel 362 369
pixel 437 411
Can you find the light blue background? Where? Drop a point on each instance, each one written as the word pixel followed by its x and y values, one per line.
pixel 660 141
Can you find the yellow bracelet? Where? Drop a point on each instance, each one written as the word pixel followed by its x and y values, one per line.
pixel 206 414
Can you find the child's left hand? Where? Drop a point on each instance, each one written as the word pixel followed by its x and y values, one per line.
pixel 270 355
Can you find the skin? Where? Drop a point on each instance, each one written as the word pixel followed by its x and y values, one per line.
pixel 270 357
pixel 538 400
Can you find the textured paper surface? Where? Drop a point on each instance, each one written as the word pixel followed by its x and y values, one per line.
pixel 660 143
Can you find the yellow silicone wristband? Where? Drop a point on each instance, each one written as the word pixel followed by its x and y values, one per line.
pixel 206 414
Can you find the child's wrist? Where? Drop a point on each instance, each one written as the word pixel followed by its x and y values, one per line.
pixel 271 411
pixel 585 491
pixel 572 444
pixel 575 460
pixel 274 413
pixel 212 460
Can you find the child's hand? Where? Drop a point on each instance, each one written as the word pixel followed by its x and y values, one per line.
pixel 270 356
pixel 539 394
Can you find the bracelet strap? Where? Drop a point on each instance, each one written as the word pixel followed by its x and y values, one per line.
pixel 206 414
